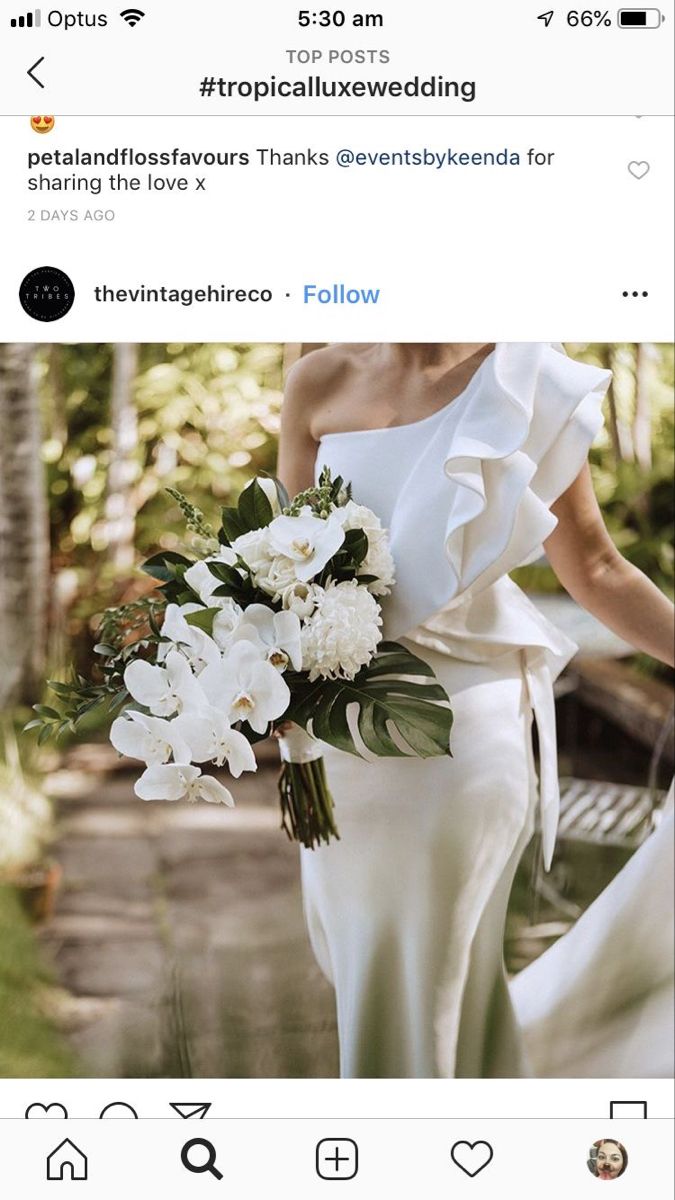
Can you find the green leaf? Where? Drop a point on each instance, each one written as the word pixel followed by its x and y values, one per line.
pixel 43 710
pixel 254 509
pixel 202 619
pixel 163 566
pixel 390 693
pixel 233 527
pixel 44 734
pixel 356 544
pixel 60 689
pixel 35 724
pixel 225 573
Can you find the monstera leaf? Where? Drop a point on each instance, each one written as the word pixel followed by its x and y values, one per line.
pixel 396 690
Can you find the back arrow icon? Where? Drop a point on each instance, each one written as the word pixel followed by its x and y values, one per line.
pixel 31 69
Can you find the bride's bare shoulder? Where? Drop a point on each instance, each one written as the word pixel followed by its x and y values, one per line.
pixel 324 370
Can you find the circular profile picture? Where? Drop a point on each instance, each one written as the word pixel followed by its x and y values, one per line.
pixel 607 1159
pixel 47 294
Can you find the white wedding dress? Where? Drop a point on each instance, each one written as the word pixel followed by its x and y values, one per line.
pixel 406 912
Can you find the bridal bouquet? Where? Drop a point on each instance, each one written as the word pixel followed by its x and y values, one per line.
pixel 275 627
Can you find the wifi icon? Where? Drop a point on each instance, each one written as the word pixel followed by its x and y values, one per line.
pixel 132 16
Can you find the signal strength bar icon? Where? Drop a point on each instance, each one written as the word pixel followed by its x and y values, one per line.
pixel 31 20
pixel 132 16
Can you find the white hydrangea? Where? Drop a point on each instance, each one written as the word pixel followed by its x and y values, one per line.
pixel 343 633
pixel 378 561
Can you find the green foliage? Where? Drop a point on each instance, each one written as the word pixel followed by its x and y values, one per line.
pixel 321 499
pixel 390 691
pixel 194 517
pixel 207 419
pixel 30 1047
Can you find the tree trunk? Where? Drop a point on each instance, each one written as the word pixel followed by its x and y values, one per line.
pixel 642 421
pixel 24 531
pixel 621 432
pixel 120 509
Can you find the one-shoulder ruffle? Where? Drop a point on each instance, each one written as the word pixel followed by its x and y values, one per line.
pixel 485 479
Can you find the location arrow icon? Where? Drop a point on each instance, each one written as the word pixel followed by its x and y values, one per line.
pixel 30 71
pixel 546 17
pixel 190 1110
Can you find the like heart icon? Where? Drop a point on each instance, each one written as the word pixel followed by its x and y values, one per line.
pixel 471 1157
pixel 638 169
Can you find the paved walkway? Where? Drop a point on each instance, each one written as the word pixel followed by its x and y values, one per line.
pixel 179 934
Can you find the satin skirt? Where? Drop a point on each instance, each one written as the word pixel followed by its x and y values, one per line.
pixel 406 912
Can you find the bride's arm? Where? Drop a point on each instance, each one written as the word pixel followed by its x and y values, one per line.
pixel 297 446
pixel 593 571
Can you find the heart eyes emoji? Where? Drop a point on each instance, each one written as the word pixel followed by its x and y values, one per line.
pixel 42 124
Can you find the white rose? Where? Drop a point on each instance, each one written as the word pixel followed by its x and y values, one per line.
pixel 357 516
pixel 378 561
pixel 254 548
pixel 302 598
pixel 278 575
pixel 226 621
pixel 343 633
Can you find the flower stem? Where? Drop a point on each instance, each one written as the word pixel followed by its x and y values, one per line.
pixel 307 813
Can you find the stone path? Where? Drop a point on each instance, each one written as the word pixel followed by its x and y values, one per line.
pixel 179 935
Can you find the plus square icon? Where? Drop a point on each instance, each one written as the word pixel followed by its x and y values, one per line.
pixel 337 1158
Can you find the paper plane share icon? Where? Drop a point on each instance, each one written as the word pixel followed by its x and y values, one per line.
pixel 186 1111
pixel 547 17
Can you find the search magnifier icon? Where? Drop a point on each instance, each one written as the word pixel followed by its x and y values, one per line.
pixel 196 1162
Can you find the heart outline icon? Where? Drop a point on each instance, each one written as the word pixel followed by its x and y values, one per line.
pixel 638 169
pixel 471 1147
pixel 44 1110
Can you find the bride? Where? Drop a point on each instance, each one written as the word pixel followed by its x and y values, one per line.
pixel 474 457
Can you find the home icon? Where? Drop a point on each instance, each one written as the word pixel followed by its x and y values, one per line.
pixel 66 1162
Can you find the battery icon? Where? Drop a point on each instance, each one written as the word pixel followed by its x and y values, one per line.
pixel 640 18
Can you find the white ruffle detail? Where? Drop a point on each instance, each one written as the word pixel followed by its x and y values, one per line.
pixel 482 487
pixel 485 478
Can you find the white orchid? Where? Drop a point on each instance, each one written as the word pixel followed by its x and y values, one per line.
pixel 181 781
pixel 307 540
pixel 193 643
pixel 276 634
pixel 211 739
pixel 246 687
pixel 164 690
pixel 151 739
